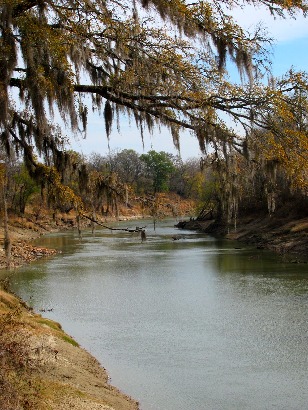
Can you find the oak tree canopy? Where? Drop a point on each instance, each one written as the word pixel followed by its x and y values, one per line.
pixel 159 61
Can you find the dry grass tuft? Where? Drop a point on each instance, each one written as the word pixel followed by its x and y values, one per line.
pixel 18 388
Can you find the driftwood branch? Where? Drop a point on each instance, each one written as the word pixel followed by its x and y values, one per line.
pixel 137 229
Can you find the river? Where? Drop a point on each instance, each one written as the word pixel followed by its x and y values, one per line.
pixel 187 324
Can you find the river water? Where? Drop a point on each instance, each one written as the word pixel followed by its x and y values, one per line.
pixel 186 324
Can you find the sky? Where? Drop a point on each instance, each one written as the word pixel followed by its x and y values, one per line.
pixel 289 50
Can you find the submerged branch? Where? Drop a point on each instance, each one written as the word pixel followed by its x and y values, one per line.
pixel 137 229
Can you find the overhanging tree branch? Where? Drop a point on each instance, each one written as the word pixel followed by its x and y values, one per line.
pixel 24 6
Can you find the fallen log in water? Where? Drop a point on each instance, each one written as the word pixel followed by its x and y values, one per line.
pixel 137 229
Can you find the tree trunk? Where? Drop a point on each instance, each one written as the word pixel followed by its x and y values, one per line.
pixel 78 225
pixel 7 239
pixel 92 222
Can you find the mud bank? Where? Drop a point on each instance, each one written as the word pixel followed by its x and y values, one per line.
pixel 287 237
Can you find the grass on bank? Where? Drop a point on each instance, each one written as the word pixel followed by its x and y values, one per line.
pixel 21 386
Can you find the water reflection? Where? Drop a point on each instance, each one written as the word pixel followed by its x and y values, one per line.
pixel 188 324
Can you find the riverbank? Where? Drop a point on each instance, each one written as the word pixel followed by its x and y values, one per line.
pixel 24 229
pixel 41 366
pixel 284 235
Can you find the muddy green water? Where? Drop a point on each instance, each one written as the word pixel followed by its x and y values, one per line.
pixel 190 324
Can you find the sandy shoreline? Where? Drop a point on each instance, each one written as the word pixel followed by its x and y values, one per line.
pixel 56 373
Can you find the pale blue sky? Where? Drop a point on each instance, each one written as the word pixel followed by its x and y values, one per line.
pixel 290 49
pixel 291 53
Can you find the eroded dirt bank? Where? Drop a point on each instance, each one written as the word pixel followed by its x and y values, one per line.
pixel 43 368
pixel 286 236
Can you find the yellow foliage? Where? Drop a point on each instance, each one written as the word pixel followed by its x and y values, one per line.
pixel 63 193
